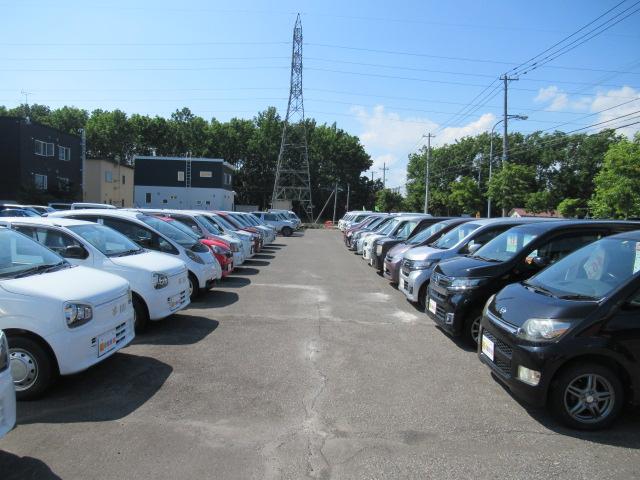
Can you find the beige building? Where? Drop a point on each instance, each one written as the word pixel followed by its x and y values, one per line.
pixel 108 182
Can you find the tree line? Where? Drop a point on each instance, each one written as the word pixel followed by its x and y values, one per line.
pixel 250 145
pixel 579 175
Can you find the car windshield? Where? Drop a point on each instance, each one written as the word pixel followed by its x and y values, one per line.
pixel 506 245
pixel 240 220
pixel 387 228
pixel 209 225
pixel 184 229
pixel 20 256
pixel 426 233
pixel 405 229
pixel 592 272
pixel 232 221
pixel 220 219
pixel 105 239
pixel 451 238
pixel 168 230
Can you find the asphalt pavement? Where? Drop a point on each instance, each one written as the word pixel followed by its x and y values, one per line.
pixel 303 364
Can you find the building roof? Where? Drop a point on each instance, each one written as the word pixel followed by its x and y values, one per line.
pixel 521 212
pixel 193 159
pixel 114 162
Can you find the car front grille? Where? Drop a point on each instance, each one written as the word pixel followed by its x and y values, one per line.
pixel 502 360
pixel 441 280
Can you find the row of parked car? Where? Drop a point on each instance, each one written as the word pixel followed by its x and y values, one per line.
pixel 77 285
pixel 552 305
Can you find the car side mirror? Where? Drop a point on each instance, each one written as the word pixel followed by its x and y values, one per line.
pixel 540 262
pixel 144 241
pixel 74 251
pixel 474 248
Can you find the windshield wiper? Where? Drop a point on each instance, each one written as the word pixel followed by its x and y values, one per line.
pixel 484 258
pixel 40 269
pixel 539 289
pixel 132 251
pixel 576 296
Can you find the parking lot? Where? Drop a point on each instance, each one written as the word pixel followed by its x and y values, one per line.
pixel 304 363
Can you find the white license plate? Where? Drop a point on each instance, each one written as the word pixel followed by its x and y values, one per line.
pixel 107 342
pixel 432 306
pixel 487 347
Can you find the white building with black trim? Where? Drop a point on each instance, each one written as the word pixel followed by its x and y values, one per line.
pixel 183 183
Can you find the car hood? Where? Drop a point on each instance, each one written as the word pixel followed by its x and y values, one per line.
pixel 469 267
pixel 515 304
pixel 151 262
pixel 398 250
pixel 422 253
pixel 76 283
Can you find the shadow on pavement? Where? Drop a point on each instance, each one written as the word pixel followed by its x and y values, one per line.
pixel 256 263
pixel 271 248
pixel 235 282
pixel 242 271
pixel 262 256
pixel 460 342
pixel 625 432
pixel 13 467
pixel 279 245
pixel 214 298
pixel 108 391
pixel 179 329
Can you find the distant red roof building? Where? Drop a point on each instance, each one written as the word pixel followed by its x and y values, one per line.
pixel 521 212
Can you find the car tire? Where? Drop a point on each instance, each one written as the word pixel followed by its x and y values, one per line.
pixel 33 363
pixel 422 296
pixel 471 329
pixel 580 385
pixel 194 287
pixel 287 231
pixel 141 318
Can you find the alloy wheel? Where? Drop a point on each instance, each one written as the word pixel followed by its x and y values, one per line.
pixel 589 398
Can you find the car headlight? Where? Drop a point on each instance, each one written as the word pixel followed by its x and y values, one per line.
pixel 462 284
pixel 379 250
pixel 543 329
pixel 160 280
pixel 4 352
pixel 422 264
pixel 77 314
pixel 194 257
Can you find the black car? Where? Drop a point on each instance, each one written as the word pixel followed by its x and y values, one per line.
pixel 460 287
pixel 411 227
pixel 569 337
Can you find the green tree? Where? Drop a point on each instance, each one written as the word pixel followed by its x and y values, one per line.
pixel 388 201
pixel 511 185
pixel 617 185
pixel 68 119
pixel 465 196
pixel 109 136
pixel 538 202
pixel 572 208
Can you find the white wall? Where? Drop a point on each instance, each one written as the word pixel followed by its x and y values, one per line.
pixel 183 198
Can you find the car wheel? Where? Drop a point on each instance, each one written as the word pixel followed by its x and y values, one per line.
pixel 587 396
pixel 422 296
pixel 140 315
pixel 472 329
pixel 287 231
pixel 32 367
pixel 194 287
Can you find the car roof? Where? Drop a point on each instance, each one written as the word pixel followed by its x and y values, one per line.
pixel 633 235
pixel 542 227
pixel 132 214
pixel 47 221
pixel 509 220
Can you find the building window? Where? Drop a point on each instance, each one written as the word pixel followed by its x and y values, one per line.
pixel 44 149
pixel 122 203
pixel 208 202
pixel 180 176
pixel 227 179
pixel 64 153
pixel 164 200
pixel 205 174
pixel 123 179
pixel 198 202
pixel 108 176
pixel 40 181
pixel 147 198
pixel 63 184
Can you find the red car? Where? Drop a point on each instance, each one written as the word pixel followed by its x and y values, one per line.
pixel 220 249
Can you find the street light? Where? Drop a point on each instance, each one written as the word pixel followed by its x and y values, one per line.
pixel 515 117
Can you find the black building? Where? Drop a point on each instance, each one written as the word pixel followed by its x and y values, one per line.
pixel 38 162
pixel 187 183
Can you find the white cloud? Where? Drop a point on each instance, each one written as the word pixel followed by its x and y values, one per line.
pixel 617 103
pixel 389 138
pixel 559 100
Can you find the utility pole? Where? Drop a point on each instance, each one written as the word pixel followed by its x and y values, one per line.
pixel 384 175
pixel 426 172
pixel 335 202
pixel 348 193
pixel 83 159
pixel 505 138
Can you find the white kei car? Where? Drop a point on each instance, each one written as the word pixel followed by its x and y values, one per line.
pixel 7 390
pixel 159 283
pixel 154 234
pixel 58 318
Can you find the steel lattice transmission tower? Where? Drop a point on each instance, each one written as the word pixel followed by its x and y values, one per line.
pixel 293 181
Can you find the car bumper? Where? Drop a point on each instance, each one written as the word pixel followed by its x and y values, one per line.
pixel 449 310
pixel 7 403
pixel 410 284
pixel 205 273
pixel 507 356
pixel 391 270
pixel 238 258
pixel 78 349
pixel 171 299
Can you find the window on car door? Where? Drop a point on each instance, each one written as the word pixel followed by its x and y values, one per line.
pixel 55 240
pixel 189 222
pixel 485 236
pixel 561 246
pixel 143 236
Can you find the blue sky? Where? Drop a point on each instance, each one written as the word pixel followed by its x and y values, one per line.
pixel 385 71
